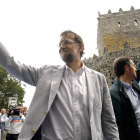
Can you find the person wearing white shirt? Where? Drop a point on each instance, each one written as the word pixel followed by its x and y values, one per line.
pixel 71 102
pixel 15 123
pixel 4 128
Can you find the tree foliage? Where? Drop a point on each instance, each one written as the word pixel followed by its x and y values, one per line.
pixel 10 87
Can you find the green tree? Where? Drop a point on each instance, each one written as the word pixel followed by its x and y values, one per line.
pixel 10 87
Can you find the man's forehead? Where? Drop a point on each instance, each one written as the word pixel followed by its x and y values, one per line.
pixel 67 36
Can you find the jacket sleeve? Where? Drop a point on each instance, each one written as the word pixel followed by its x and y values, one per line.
pixel 119 116
pixel 109 126
pixel 21 71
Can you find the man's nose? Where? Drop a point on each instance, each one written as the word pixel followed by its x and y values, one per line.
pixel 62 47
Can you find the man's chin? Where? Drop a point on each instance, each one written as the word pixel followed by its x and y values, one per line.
pixel 135 77
pixel 63 58
pixel 66 58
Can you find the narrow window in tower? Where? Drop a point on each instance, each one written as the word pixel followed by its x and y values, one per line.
pixel 119 24
pixel 136 23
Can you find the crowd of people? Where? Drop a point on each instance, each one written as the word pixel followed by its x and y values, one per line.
pixel 11 122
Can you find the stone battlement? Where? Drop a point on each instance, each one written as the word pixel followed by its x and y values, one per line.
pixel 104 63
pixel 114 29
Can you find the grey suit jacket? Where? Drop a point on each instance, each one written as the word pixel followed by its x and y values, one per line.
pixel 47 80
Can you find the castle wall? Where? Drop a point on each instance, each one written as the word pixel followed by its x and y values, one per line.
pixel 118 35
pixel 104 63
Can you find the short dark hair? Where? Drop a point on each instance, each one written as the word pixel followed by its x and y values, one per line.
pixel 77 39
pixel 119 64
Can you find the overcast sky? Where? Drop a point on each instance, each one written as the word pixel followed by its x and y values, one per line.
pixel 30 29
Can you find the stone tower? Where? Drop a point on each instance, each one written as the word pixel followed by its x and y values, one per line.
pixel 115 29
pixel 118 35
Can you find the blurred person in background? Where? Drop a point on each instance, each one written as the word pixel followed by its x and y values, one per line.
pixel 4 128
pixel 25 111
pixel 7 111
pixel 15 121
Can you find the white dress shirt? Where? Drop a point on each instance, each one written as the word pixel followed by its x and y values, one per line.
pixel 2 122
pixel 68 118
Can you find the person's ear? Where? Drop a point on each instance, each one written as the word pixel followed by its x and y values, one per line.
pixel 81 46
pixel 126 67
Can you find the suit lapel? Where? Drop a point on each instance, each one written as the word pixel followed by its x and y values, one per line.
pixel 91 86
pixel 56 80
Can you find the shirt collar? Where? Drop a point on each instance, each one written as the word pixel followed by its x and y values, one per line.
pixel 125 85
pixel 69 71
pixel 129 86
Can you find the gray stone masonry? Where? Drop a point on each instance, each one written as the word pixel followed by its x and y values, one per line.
pixel 104 64
pixel 118 35
pixel 114 29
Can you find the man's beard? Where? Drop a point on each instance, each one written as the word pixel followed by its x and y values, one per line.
pixel 68 58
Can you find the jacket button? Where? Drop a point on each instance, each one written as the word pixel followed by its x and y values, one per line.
pixel 33 130
pixel 45 112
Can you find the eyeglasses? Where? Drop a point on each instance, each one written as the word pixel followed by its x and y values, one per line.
pixel 66 42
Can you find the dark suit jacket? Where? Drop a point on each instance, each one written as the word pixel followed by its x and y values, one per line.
pixel 124 113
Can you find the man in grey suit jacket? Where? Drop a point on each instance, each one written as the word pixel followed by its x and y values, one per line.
pixel 73 101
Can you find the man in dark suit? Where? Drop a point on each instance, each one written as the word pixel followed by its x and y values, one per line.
pixel 125 94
